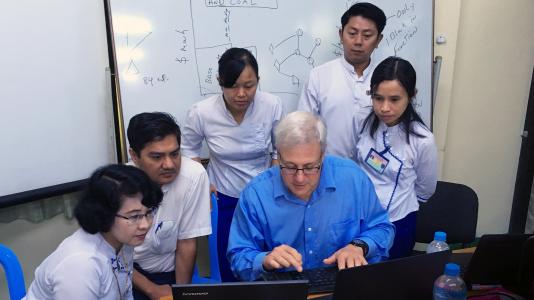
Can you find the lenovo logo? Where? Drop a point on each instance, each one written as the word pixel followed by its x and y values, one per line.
pixel 195 294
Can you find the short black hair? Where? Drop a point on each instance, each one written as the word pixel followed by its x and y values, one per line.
pixel 232 63
pixel 396 68
pixel 145 128
pixel 102 197
pixel 368 11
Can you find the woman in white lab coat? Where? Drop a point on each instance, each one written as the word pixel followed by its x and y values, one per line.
pixel 237 127
pixel 96 261
pixel 397 150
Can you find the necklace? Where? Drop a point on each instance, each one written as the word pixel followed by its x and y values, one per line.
pixel 120 265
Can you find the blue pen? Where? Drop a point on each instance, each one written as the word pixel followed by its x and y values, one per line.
pixel 160 224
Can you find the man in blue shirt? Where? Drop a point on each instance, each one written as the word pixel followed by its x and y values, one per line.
pixel 310 211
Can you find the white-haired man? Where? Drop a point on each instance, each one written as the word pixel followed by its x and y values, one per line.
pixel 310 211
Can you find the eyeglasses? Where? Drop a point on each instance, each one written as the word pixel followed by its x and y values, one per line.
pixel 306 170
pixel 135 219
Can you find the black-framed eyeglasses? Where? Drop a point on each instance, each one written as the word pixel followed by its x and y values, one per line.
pixel 135 219
pixel 306 170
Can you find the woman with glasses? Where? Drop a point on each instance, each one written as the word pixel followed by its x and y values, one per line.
pixel 237 127
pixel 96 261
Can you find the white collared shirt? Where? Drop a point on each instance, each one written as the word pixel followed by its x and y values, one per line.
pixel 412 171
pixel 238 152
pixel 84 266
pixel 183 213
pixel 337 94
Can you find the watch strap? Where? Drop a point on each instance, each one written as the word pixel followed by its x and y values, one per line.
pixel 361 244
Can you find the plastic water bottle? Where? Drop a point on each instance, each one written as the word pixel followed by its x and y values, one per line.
pixel 439 243
pixel 450 286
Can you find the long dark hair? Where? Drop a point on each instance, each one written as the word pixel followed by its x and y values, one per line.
pixel 395 68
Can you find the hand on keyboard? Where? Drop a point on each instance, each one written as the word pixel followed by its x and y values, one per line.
pixel 347 257
pixel 283 256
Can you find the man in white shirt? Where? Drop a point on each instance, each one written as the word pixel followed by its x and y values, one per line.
pixel 338 90
pixel 168 254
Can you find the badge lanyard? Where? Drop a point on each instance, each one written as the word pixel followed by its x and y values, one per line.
pixel 121 268
pixel 378 162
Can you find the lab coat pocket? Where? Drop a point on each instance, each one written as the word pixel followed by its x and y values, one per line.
pixel 255 142
pixel 165 235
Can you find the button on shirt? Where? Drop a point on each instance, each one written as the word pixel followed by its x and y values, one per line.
pixel 342 208
pixel 238 152
pixel 84 266
pixel 337 94
pixel 412 171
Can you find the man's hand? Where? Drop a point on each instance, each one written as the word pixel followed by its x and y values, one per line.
pixel 283 256
pixel 160 291
pixel 347 257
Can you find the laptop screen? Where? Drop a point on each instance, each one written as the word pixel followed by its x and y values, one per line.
pixel 257 290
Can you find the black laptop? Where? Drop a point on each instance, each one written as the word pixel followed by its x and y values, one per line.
pixel 404 278
pixel 257 290
pixel 497 260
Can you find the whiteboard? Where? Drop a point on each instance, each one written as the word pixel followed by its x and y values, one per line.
pixel 56 119
pixel 167 50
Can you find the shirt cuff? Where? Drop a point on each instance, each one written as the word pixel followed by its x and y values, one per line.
pixel 257 265
pixel 370 244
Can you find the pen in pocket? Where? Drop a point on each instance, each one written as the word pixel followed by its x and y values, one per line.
pixel 160 224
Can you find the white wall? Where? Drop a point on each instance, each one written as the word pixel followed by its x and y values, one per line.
pixel 483 97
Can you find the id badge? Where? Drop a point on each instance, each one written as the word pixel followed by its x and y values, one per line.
pixel 376 161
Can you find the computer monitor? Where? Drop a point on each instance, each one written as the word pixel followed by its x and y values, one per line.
pixel 257 290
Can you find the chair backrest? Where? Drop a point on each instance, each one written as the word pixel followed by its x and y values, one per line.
pixel 453 209
pixel 13 271
pixel 215 274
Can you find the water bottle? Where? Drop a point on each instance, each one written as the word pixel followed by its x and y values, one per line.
pixel 439 243
pixel 450 286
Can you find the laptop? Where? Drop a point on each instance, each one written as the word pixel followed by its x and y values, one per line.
pixel 403 278
pixel 496 260
pixel 257 290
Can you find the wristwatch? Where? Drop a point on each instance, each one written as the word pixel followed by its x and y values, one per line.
pixel 361 244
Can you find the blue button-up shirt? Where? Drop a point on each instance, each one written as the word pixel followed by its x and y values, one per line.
pixel 344 207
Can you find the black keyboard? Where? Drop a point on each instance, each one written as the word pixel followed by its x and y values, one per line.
pixel 321 280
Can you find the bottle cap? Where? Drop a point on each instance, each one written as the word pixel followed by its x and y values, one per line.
pixel 452 269
pixel 440 236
